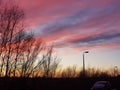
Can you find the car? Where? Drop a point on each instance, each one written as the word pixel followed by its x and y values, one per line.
pixel 102 85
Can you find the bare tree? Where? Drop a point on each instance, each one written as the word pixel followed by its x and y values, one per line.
pixel 70 72
pixel 50 63
pixel 10 25
pixel 19 50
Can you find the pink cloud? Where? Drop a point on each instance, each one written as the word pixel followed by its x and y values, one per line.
pixel 66 21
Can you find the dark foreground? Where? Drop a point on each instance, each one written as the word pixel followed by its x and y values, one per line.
pixel 53 84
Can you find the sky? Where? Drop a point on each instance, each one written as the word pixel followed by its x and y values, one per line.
pixel 76 26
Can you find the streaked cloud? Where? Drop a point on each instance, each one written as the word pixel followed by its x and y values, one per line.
pixel 75 23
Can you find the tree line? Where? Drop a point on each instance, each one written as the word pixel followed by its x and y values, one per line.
pixel 23 55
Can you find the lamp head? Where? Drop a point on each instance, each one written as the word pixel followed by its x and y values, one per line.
pixel 86 52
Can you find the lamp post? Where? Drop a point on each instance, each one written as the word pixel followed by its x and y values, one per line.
pixel 84 62
pixel 115 71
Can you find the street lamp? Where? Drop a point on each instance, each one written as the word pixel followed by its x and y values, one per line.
pixel 84 62
pixel 115 71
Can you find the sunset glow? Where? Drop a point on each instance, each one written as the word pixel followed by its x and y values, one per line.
pixel 75 26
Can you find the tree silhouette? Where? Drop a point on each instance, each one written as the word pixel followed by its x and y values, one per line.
pixel 70 72
pixel 50 63
pixel 19 49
